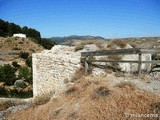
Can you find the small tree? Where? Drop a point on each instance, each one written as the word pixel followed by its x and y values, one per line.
pixel 29 61
pixel 24 55
pixel 15 64
pixel 25 73
pixel 7 74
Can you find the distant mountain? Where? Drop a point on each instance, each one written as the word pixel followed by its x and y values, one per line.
pixel 75 37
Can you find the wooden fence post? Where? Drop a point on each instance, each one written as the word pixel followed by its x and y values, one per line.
pixel 139 64
pixel 86 65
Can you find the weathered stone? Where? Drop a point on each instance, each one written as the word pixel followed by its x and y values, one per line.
pixel 20 84
pixel 98 71
pixel 51 67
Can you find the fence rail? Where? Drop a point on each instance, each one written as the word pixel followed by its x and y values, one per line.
pixel 138 51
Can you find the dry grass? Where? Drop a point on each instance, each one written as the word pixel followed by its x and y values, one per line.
pixel 71 89
pixel 119 43
pixel 101 91
pixel 126 85
pixel 13 43
pixel 114 57
pixel 39 100
pixel 98 43
pixel 124 98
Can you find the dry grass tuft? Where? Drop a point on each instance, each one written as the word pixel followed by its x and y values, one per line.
pixel 98 43
pixel 155 107
pixel 43 99
pixel 78 74
pixel 101 91
pixel 71 89
pixel 79 47
pixel 119 43
pixel 114 57
pixel 119 74
pixel 126 85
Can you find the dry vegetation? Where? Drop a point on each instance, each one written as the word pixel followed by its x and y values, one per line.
pixel 119 43
pixel 80 44
pixel 91 98
pixel 14 44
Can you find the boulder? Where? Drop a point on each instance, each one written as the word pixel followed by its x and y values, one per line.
pixel 20 84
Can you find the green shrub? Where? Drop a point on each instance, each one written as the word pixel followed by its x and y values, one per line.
pixel 2 91
pixel 7 74
pixel 29 61
pixel 8 103
pixel 20 94
pixel 15 64
pixel 24 55
pixel 47 43
pixel 25 73
pixel 16 48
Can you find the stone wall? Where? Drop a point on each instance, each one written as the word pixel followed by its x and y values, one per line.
pixel 52 67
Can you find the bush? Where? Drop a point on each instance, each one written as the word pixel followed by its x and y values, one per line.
pixel 29 61
pixel 2 91
pixel 119 43
pixel 15 64
pixel 16 48
pixel 47 43
pixel 25 73
pixel 24 55
pixel 8 103
pixel 39 100
pixel 79 47
pixel 7 74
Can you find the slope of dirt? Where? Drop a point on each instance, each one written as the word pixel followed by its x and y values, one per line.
pixel 11 45
pixel 92 98
pixel 18 44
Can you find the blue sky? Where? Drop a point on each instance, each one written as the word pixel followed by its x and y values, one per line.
pixel 106 18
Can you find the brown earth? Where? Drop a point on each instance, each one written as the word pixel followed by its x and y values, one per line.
pixel 91 98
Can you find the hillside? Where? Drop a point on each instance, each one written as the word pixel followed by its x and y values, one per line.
pixel 143 42
pixel 16 45
pixel 93 98
pixel 138 42
pixel 68 39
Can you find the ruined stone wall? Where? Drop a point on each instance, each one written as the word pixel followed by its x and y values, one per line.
pixel 52 67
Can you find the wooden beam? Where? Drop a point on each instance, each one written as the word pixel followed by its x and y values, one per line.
pixel 112 52
pixel 124 61
pixel 122 52
pixel 150 51
pixel 86 67
pixel 119 61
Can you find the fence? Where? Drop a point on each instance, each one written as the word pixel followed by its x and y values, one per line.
pixel 138 51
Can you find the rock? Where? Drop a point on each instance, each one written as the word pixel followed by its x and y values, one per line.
pixel 98 72
pixel 158 41
pixel 90 47
pixel 20 84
